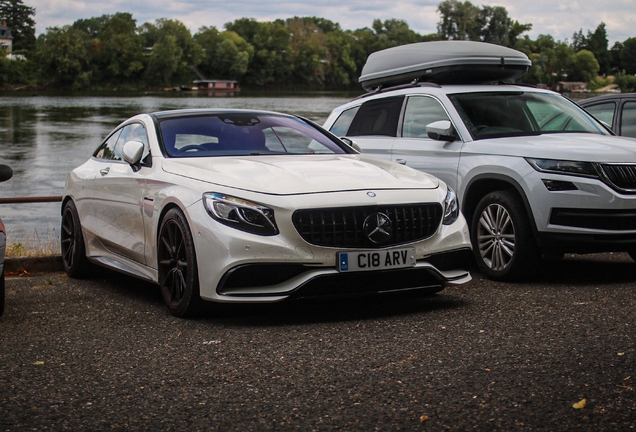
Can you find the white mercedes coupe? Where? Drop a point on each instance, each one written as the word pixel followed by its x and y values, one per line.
pixel 255 206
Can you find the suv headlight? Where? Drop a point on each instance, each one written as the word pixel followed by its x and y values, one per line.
pixel 585 169
pixel 451 207
pixel 240 214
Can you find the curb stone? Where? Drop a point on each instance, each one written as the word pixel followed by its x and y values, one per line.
pixel 49 263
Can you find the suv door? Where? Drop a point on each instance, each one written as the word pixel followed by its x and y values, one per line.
pixel 417 150
pixel 373 126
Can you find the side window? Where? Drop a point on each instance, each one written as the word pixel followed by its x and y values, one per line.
pixel 628 120
pixel 107 149
pixel 603 112
pixel 341 126
pixel 421 111
pixel 377 117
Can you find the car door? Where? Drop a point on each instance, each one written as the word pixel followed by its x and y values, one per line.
pixel 373 126
pixel 415 149
pixel 606 113
pixel 118 198
pixel 627 125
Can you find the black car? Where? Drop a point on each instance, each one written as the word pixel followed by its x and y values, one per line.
pixel 616 110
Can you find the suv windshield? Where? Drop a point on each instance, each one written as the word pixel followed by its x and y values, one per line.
pixel 233 134
pixel 499 114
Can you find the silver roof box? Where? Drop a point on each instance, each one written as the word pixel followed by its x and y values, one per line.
pixel 443 62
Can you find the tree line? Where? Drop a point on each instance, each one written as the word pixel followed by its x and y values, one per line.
pixel 113 51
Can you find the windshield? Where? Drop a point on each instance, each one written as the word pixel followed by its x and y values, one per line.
pixel 239 134
pixel 499 114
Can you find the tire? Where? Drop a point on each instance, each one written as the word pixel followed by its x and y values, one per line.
pixel 74 259
pixel 178 275
pixel 501 234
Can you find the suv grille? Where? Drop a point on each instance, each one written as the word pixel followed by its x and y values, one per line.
pixel 621 177
pixel 343 227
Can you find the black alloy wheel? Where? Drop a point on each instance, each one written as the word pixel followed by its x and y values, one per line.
pixel 74 259
pixel 178 276
pixel 501 234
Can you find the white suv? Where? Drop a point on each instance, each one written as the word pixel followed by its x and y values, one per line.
pixel 534 173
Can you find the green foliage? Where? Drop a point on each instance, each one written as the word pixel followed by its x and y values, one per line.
pixel 465 21
pixel 17 73
pixel 64 54
pixel 111 51
pixel 583 66
pixel 626 82
pixel 595 42
pixel 628 56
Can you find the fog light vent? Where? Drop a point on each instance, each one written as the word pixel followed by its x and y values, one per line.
pixel 558 185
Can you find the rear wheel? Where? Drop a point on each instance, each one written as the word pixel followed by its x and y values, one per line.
pixel 501 235
pixel 178 276
pixel 74 259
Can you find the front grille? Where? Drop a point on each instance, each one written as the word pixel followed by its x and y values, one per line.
pixel 611 220
pixel 342 227
pixel 620 176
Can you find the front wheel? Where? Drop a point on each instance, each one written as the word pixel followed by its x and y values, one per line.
pixel 178 276
pixel 501 234
pixel 74 259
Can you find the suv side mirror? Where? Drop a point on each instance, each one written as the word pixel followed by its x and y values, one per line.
pixel 132 152
pixel 351 143
pixel 441 130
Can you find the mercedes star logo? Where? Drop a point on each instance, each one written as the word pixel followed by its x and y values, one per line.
pixel 378 228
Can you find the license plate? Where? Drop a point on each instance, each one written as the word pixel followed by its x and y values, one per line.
pixel 376 260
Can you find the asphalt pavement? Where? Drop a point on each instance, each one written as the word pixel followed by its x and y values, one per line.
pixel 554 353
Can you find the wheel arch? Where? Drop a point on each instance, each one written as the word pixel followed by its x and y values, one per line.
pixel 481 185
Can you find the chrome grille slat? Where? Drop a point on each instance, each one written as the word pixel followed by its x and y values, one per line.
pixel 343 227
pixel 620 176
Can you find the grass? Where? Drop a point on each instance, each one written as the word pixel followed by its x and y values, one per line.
pixel 21 243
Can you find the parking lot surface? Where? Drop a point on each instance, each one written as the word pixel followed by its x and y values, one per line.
pixel 554 353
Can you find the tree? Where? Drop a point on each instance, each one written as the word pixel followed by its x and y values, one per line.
pixel 465 21
pixel 271 63
pixel 64 54
pixel 19 18
pixel 628 56
pixel 596 43
pixel 459 20
pixel 583 67
pixel 393 32
pixel 173 50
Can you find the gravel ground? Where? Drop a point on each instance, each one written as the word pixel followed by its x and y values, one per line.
pixel 104 354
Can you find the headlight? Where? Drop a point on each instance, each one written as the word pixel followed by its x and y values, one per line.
pixel 240 214
pixel 451 207
pixel 585 169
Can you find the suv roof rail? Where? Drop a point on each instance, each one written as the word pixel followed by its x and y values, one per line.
pixel 414 83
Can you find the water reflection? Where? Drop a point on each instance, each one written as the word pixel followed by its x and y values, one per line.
pixel 43 137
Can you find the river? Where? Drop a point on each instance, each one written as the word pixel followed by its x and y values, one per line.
pixel 43 137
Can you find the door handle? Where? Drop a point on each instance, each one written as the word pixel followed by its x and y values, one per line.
pixel 401 161
pixel 104 171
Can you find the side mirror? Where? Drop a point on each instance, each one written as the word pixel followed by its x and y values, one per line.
pixel 5 173
pixel 441 130
pixel 351 143
pixel 132 152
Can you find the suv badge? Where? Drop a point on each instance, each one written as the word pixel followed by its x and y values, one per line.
pixel 371 194
pixel 378 228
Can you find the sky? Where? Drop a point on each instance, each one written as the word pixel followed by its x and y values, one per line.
pixel 558 18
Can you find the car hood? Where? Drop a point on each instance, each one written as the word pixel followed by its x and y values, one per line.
pixel 287 175
pixel 566 146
